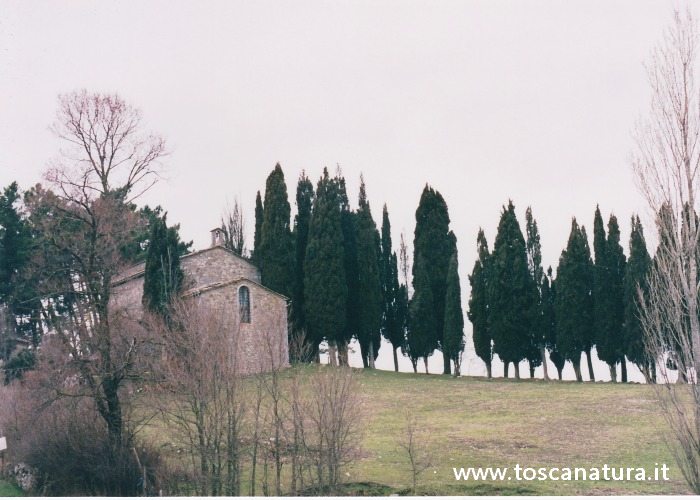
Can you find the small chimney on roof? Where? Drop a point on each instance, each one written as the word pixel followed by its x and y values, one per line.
pixel 217 237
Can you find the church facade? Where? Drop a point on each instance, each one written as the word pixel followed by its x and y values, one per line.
pixel 222 281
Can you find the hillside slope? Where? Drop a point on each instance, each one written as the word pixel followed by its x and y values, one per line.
pixel 475 422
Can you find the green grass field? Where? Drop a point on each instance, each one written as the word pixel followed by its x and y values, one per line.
pixel 9 490
pixel 475 422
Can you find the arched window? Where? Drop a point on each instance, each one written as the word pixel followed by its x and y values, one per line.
pixel 244 304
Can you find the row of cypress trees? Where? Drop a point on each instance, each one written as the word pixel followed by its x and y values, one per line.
pixel 343 276
pixel 520 312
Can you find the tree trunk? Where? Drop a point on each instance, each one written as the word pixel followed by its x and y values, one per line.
pixel 332 353
pixel 577 369
pixel 543 353
pixel 425 362
pixel 488 369
pixel 371 355
pixel 396 359
pixel 446 364
pixel 532 369
pixel 516 369
pixel 505 369
pixel 414 363
pixel 623 366
pixel 613 372
pixel 364 354
pixel 343 354
pixel 559 371
pixel 591 375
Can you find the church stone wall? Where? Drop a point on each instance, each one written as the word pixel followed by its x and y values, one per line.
pixel 260 344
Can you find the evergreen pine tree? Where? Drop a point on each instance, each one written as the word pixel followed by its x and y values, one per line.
pixel 636 272
pixel 536 351
pixel 510 292
pixel 259 216
pixel 305 200
pixel 163 276
pixel 479 304
pixel 453 338
pixel 369 289
pixel 573 299
pixel 393 295
pixel 432 249
pixel 276 250
pixel 18 292
pixel 325 283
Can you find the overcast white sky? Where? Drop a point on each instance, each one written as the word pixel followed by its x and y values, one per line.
pixel 484 100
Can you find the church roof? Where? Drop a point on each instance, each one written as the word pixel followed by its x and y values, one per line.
pixel 220 284
pixel 139 270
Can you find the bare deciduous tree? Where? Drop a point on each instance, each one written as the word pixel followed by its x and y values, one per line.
pixel 106 149
pixel 82 225
pixel 202 394
pixel 418 457
pixel 233 225
pixel 666 165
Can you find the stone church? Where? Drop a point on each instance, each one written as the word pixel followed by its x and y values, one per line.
pixel 221 280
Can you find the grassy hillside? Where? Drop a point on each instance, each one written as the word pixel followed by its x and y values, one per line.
pixel 474 422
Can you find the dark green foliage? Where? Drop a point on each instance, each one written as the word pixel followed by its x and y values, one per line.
pixel 534 263
pixel 18 290
pixel 573 298
pixel 636 272
pixel 549 322
pixel 394 298
pixel 432 246
pixel 348 223
pixel 275 253
pixel 611 337
pixel 136 248
pixel 305 200
pixel 259 215
pixel 163 277
pixel 325 284
pixel 453 338
pixel 369 290
pixel 608 303
pixel 510 291
pixel 479 303
pixel 601 275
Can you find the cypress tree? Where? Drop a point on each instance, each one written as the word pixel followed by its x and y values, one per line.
pixel 636 272
pixel 510 292
pixel 325 284
pixel 163 276
pixel 453 338
pixel 573 298
pixel 348 223
pixel 549 322
pixel 393 295
pixel 608 294
pixel 536 352
pixel 601 302
pixel 369 288
pixel 305 199
pixel 276 255
pixel 432 249
pixel 259 215
pixel 479 304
